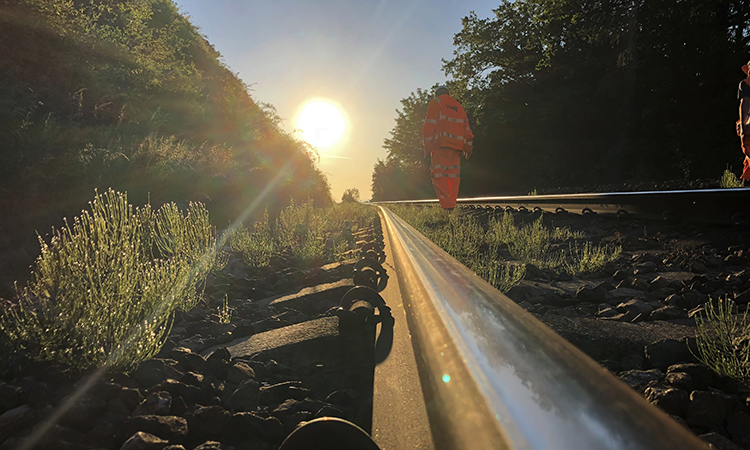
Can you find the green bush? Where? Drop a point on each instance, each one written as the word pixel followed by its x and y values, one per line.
pixel 501 275
pixel 528 244
pixel 348 217
pixel 300 231
pixel 589 257
pixel 533 244
pixel 723 340
pixel 480 248
pixel 104 289
pixel 256 245
pixel 129 95
pixel 461 237
pixel 303 233
pixel 729 180
pixel 341 221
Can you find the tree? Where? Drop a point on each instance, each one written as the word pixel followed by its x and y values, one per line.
pixel 567 92
pixel 403 174
pixel 130 95
pixel 351 195
pixel 405 144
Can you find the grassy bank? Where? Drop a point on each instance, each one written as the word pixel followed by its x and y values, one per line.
pixel 129 95
pixel 499 250
pixel 302 235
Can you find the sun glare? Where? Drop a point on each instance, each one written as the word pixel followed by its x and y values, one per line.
pixel 321 122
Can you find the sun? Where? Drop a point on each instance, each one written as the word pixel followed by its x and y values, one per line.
pixel 321 122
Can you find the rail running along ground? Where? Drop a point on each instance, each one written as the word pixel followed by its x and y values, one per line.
pixel 495 377
pixel 707 205
pixel 403 348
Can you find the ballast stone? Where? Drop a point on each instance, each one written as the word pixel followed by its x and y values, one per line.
pixel 170 428
pixel 156 404
pixel 639 379
pixel 707 409
pixel 144 441
pixel 667 352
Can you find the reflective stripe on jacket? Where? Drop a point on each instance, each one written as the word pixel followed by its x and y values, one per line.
pixel 446 126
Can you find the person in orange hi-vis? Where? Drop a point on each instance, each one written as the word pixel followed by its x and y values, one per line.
pixel 743 124
pixel 446 135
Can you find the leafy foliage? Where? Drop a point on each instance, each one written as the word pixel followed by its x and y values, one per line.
pixel 256 245
pixel 104 289
pixel 303 234
pixel 350 195
pixel 402 174
pixel 729 180
pixel 483 248
pixel 463 238
pixel 569 92
pixel 589 258
pixel 723 340
pixel 128 94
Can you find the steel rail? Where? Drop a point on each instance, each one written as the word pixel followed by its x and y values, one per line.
pixel 705 205
pixel 495 377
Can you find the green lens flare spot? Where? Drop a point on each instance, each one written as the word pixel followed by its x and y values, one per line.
pixel 446 378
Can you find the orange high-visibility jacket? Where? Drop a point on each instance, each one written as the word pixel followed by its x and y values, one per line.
pixel 447 126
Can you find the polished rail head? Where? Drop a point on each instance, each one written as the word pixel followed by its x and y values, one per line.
pixel 723 206
pixel 584 195
pixel 495 377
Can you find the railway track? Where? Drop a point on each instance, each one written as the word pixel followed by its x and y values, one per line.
pixel 469 312
pixel 724 206
pixel 492 376
pixel 413 350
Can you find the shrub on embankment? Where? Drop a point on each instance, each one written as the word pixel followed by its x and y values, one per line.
pixel 302 234
pixel 723 339
pixel 128 95
pixel 105 287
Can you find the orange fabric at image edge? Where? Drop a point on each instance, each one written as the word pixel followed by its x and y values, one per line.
pixel 746 150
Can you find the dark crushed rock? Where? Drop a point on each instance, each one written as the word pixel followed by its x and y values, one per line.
pixel 720 442
pixel 664 353
pixel 640 379
pixel 637 315
pixel 614 340
pixel 144 441
pixel 247 425
pixel 170 428
pixel 157 403
pixel 182 400
pixel 671 400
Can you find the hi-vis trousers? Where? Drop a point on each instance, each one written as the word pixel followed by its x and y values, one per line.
pixel 446 175
pixel 746 163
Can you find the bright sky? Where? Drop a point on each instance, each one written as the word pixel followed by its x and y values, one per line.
pixel 364 55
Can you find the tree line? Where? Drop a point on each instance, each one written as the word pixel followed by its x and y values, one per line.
pixel 128 94
pixel 569 93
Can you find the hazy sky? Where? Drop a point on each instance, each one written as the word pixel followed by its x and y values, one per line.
pixel 365 55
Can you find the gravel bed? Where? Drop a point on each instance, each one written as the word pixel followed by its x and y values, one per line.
pixel 636 316
pixel 194 394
